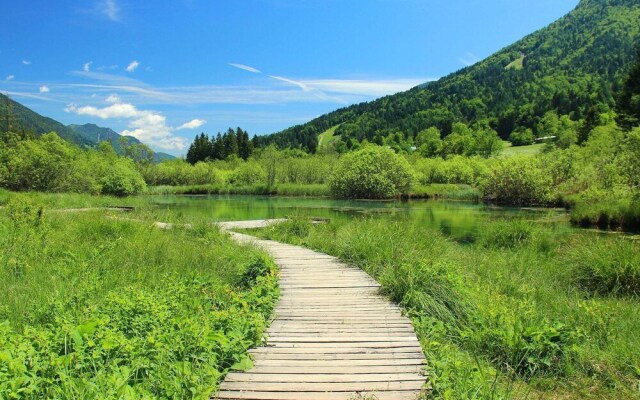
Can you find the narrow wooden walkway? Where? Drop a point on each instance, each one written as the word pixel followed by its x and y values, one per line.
pixel 333 336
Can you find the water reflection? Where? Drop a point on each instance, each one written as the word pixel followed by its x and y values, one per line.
pixel 458 220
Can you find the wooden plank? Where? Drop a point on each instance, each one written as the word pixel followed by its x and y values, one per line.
pixel 418 356
pixel 339 369
pixel 346 364
pixel 323 387
pixel 322 378
pixel 262 395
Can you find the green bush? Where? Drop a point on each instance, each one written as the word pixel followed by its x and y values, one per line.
pixel 519 181
pixel 371 173
pixel 122 180
pixel 249 173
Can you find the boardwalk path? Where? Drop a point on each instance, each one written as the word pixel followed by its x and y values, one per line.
pixel 333 336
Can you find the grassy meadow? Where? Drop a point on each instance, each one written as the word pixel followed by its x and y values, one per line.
pixel 98 306
pixel 520 310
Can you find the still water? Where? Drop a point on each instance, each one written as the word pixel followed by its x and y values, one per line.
pixel 460 220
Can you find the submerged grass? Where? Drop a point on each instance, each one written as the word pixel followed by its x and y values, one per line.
pixel 95 306
pixel 501 317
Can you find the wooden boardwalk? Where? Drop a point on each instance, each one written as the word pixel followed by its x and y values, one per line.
pixel 333 336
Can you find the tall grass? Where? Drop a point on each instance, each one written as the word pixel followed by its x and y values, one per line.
pixel 502 316
pixel 96 306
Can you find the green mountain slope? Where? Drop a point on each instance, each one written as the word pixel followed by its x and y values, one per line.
pixel 95 133
pixel 17 117
pixel 573 67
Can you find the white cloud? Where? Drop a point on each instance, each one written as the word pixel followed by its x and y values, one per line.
pixel 132 66
pixel 87 66
pixel 25 62
pixel 469 59
pixel 44 89
pixel 150 127
pixel 193 124
pixel 301 85
pixel 246 68
pixel 110 9
pixel 10 77
pixel 113 98
pixel 376 88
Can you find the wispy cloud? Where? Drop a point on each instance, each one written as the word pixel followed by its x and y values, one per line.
pixel 44 89
pixel 469 59
pixel 375 88
pixel 148 126
pixel 87 66
pixel 301 85
pixel 193 124
pixel 246 68
pixel 26 62
pixel 110 9
pixel 133 65
pixel 10 78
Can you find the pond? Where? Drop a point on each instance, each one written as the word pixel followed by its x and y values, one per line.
pixel 459 220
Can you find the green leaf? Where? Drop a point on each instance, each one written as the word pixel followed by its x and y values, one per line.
pixel 244 364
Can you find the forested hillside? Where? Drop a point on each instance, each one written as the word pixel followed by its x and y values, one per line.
pixel 14 117
pixel 574 68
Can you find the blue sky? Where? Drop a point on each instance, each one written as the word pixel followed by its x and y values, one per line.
pixel 164 71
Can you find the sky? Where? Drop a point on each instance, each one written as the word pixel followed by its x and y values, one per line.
pixel 166 70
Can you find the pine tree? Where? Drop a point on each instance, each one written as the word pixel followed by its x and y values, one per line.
pixel 628 105
pixel 230 143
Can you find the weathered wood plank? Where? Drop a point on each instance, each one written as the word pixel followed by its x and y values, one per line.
pixel 256 395
pixel 280 377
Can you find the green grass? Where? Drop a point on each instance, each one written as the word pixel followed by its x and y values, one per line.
pixel 516 64
pixel 506 316
pixel 95 306
pixel 511 151
pixel 326 138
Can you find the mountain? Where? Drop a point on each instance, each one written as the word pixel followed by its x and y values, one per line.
pixel 574 67
pixel 95 133
pixel 18 117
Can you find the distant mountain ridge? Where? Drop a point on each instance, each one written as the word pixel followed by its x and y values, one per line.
pixel 20 117
pixel 95 133
pixel 575 67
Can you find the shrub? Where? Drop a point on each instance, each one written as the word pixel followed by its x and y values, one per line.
pixel 522 137
pixel 373 172
pixel 517 181
pixel 249 173
pixel 122 180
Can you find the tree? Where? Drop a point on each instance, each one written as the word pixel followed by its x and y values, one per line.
pixel 487 142
pixel 245 146
pixel 628 104
pixel 521 137
pixel 428 142
pixel 459 141
pixel 199 150
pixel 230 143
